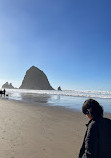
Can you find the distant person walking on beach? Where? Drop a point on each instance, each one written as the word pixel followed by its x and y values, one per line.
pixel 4 91
pixel 97 140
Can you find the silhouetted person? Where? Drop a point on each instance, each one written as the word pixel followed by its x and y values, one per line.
pixel 1 93
pixel 97 139
pixel 4 91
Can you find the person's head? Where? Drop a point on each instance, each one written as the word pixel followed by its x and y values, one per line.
pixel 92 109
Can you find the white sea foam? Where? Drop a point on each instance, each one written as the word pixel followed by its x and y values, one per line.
pixel 67 98
pixel 74 93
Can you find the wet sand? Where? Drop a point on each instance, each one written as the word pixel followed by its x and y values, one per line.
pixel 39 131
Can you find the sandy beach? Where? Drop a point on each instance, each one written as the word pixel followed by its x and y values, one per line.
pixel 39 131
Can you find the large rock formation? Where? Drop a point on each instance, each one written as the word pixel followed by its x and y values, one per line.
pixel 35 79
pixel 7 86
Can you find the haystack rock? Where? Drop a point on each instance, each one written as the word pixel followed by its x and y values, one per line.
pixel 7 86
pixel 35 79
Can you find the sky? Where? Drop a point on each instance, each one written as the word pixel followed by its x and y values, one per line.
pixel 70 40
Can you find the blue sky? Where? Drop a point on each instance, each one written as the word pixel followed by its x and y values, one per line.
pixel 70 40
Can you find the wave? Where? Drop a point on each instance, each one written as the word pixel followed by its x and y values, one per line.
pixel 73 93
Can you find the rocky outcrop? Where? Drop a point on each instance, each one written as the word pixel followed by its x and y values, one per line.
pixel 59 88
pixel 35 79
pixel 7 86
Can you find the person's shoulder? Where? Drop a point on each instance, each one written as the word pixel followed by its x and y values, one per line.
pixel 107 120
pixel 97 121
pixel 102 120
pixel 105 123
pixel 93 123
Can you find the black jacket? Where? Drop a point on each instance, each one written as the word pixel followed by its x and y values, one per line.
pixel 97 140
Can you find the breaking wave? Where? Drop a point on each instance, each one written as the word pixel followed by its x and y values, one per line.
pixel 73 93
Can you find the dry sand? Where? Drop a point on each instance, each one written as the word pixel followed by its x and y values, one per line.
pixel 39 131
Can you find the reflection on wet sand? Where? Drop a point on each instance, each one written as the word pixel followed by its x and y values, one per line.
pixel 41 98
pixel 29 97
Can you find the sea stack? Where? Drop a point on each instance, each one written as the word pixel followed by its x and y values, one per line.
pixel 59 88
pixel 35 79
pixel 7 86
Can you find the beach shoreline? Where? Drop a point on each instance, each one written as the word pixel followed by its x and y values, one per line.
pixel 38 130
pixel 71 99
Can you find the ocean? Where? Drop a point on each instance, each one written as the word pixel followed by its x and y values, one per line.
pixel 72 99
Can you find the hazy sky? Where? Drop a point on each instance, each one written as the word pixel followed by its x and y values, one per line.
pixel 70 40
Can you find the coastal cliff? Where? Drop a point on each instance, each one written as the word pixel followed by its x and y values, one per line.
pixel 35 79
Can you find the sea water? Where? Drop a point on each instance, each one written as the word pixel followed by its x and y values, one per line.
pixel 72 99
